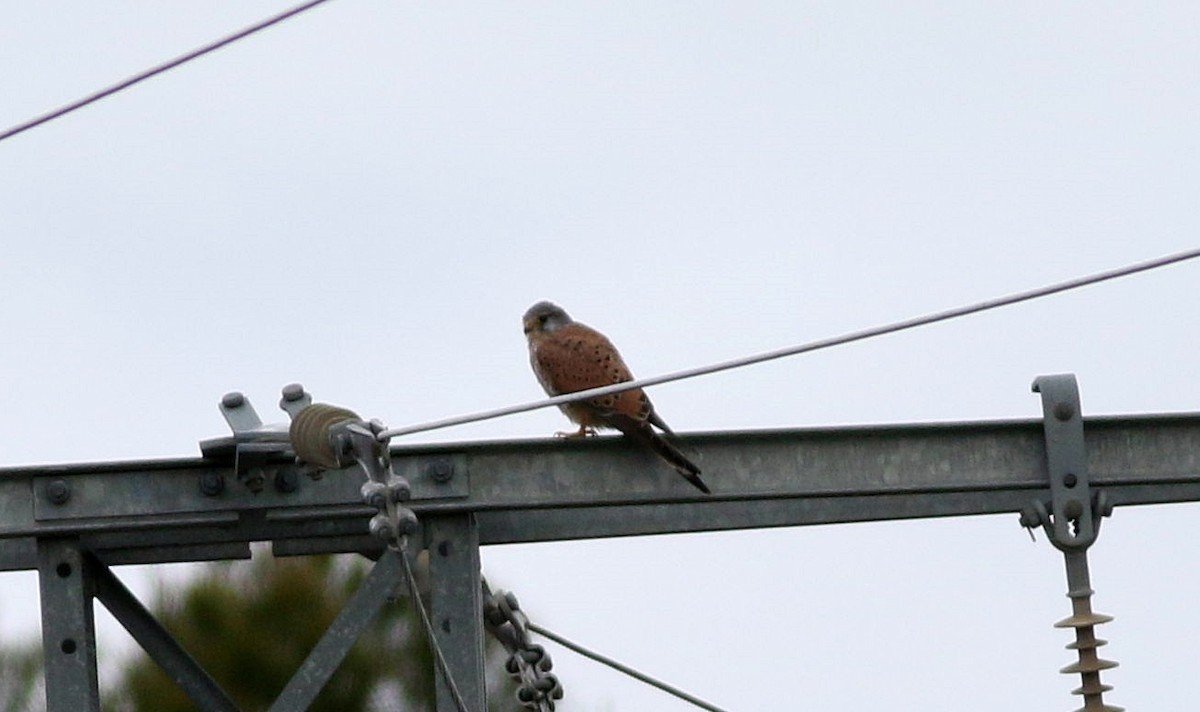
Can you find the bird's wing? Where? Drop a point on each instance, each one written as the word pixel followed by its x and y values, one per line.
pixel 576 358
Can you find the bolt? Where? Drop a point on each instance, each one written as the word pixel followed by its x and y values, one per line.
pixel 253 478
pixel 287 480
pixel 1064 411
pixel 381 528
pixel 1033 515
pixel 1070 480
pixel 293 392
pixel 374 494
pixel 441 471
pixel 407 522
pixel 233 400
pixel 58 491
pixel 212 483
pixel 314 472
pixel 399 489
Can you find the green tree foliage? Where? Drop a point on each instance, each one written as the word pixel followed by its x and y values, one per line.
pixel 251 625
pixel 21 678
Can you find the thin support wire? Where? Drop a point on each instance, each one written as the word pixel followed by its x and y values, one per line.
pixel 802 348
pixel 158 69
pixel 438 658
pixel 622 668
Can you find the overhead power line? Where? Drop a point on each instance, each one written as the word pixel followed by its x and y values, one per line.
pixel 802 348
pixel 621 667
pixel 439 657
pixel 159 69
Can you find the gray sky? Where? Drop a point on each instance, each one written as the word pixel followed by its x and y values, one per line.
pixel 366 198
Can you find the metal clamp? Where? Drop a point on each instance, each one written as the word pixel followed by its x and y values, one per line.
pixel 328 437
pixel 383 490
pixel 1072 520
pixel 1072 523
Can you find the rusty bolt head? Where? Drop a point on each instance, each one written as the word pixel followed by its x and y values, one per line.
pixel 253 479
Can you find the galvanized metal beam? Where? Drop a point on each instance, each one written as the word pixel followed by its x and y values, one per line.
pixel 484 493
pixel 68 626
pixel 456 610
pixel 380 586
pixel 550 489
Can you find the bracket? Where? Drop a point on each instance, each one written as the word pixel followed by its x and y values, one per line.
pixel 252 445
pixel 1072 520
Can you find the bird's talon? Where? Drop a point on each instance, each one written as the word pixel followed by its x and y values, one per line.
pixel 581 433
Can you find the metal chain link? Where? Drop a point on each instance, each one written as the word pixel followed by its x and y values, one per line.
pixel 528 662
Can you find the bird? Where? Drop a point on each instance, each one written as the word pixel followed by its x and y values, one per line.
pixel 568 356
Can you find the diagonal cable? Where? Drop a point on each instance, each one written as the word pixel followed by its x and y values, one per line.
pixel 803 348
pixel 623 668
pixel 439 658
pixel 158 69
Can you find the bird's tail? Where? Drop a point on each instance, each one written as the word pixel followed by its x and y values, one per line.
pixel 664 449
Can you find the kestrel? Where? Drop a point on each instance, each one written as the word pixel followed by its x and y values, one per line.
pixel 568 357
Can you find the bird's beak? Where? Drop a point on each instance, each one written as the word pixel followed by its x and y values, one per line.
pixel 530 325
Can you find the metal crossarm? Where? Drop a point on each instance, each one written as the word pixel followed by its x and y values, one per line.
pixel 250 488
pixel 541 490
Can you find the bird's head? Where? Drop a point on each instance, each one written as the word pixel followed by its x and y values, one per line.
pixel 544 317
